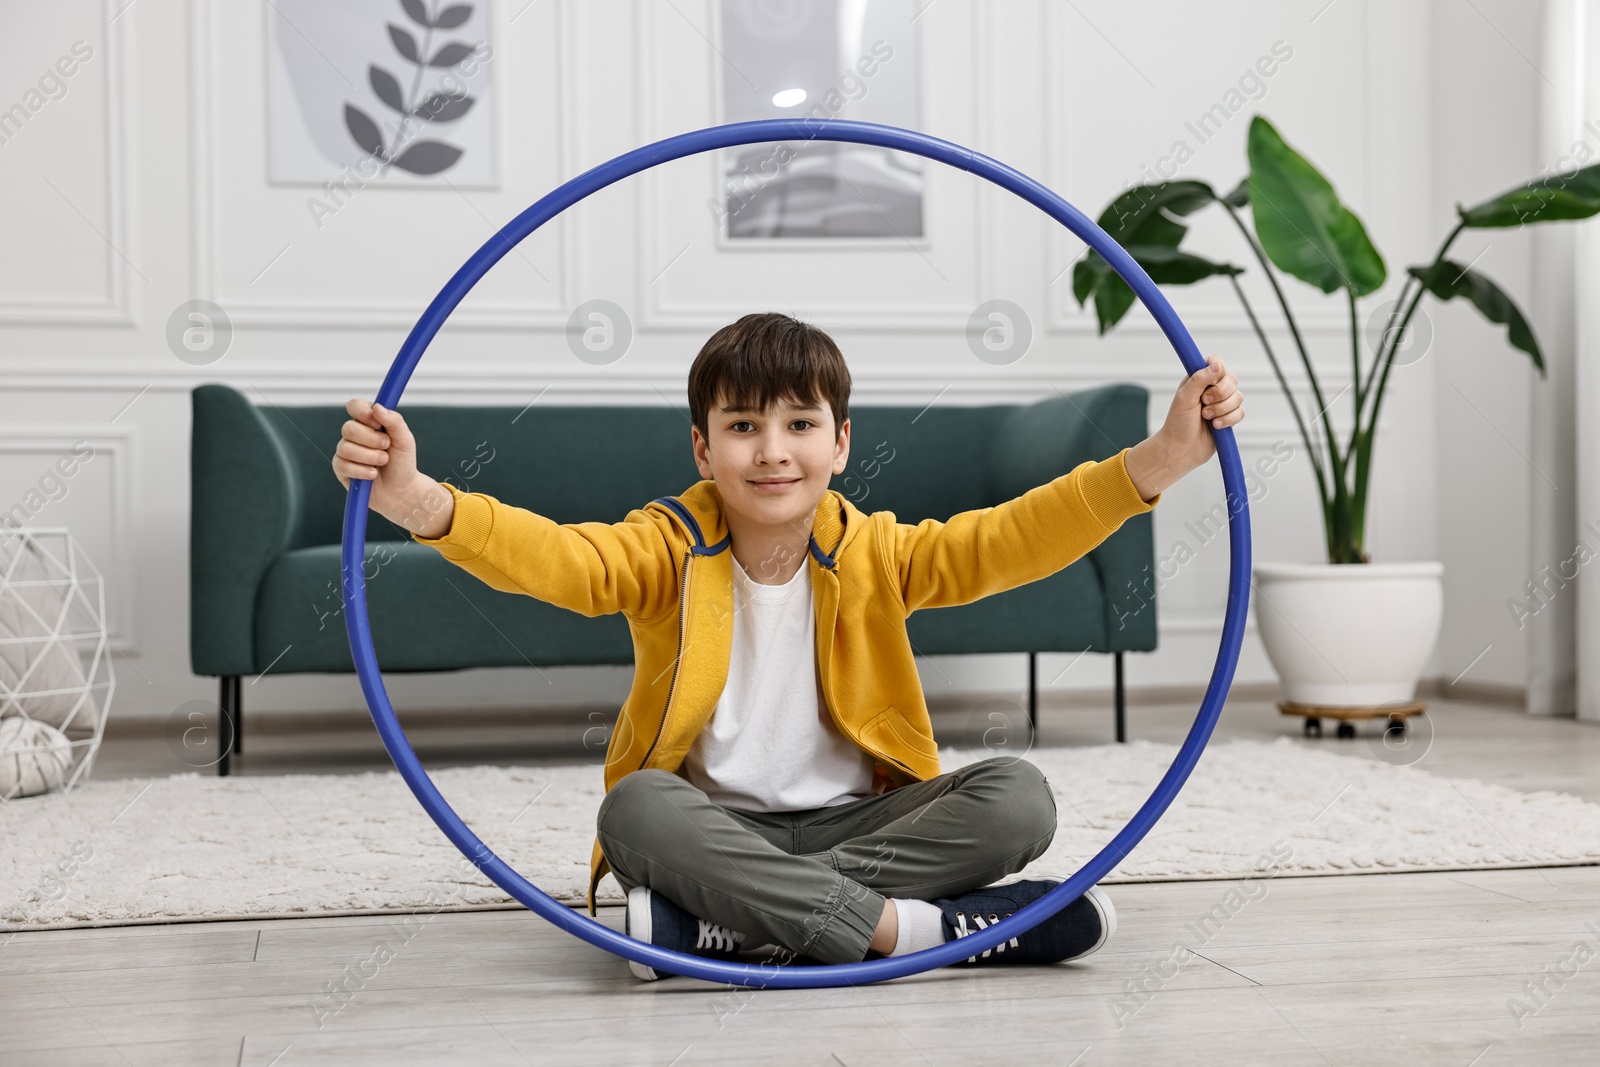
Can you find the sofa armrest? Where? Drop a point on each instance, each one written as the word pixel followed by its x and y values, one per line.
pixel 1041 441
pixel 244 509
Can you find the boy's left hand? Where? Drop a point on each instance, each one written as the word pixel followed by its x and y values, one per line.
pixel 1208 396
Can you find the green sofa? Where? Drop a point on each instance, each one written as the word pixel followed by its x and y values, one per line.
pixel 267 511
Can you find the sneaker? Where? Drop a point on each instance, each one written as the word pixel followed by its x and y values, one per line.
pixel 652 917
pixel 1072 933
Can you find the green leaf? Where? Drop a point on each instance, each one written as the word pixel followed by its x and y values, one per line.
pixel 1112 301
pixel 1303 227
pixel 1144 220
pixel 1240 197
pixel 1113 297
pixel 1574 195
pixel 1447 279
pixel 1169 266
pixel 1142 212
pixel 1085 277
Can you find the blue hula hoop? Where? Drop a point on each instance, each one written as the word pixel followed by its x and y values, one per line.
pixel 772 975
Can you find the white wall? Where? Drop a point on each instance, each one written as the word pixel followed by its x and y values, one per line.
pixel 1585 17
pixel 1487 70
pixel 143 187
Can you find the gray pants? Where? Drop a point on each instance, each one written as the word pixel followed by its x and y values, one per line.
pixel 815 882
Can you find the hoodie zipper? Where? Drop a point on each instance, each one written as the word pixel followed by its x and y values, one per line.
pixel 683 608
pixel 827 690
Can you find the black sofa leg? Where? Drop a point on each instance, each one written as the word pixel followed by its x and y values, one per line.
pixel 1033 696
pixel 1122 722
pixel 229 722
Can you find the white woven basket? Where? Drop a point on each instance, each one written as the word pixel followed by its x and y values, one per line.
pixel 56 680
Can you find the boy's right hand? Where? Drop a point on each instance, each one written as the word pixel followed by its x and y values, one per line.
pixel 378 446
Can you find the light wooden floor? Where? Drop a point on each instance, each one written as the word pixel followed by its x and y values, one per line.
pixel 1409 969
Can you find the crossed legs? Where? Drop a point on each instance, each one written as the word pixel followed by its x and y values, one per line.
pixel 818 882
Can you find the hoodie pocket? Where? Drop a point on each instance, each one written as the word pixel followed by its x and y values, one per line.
pixel 888 730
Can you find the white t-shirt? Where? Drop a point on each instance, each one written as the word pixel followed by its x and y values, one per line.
pixel 771 744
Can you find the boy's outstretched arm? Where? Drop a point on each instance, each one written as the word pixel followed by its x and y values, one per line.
pixel 988 550
pixel 593 568
pixel 1184 441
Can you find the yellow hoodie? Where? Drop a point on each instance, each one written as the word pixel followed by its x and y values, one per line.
pixel 667 568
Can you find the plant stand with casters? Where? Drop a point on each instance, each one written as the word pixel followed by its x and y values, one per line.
pixel 1397 714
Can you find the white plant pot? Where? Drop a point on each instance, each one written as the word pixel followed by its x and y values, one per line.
pixel 1349 634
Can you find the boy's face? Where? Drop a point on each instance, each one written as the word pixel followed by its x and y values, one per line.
pixel 793 448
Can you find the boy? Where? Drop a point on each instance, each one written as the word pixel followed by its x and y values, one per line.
pixel 773 779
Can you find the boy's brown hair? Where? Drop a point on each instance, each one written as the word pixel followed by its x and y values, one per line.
pixel 766 358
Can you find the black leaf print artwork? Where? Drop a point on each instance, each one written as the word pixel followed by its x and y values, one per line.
pixel 441 107
pixel 427 157
pixel 404 43
pixel 450 55
pixel 364 130
pixel 451 17
pixel 414 110
pixel 384 84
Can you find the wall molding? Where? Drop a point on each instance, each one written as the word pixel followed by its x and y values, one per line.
pixel 1182 623
pixel 872 316
pixel 118 308
pixel 123 446
pixel 509 380
pixel 303 314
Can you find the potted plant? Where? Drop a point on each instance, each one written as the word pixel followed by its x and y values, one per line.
pixel 1348 634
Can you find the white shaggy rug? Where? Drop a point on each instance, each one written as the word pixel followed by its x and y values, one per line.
pixel 193 847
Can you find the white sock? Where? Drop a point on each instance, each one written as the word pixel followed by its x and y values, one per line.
pixel 921 926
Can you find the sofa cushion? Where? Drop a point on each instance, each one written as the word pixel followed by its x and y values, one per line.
pixel 1065 610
